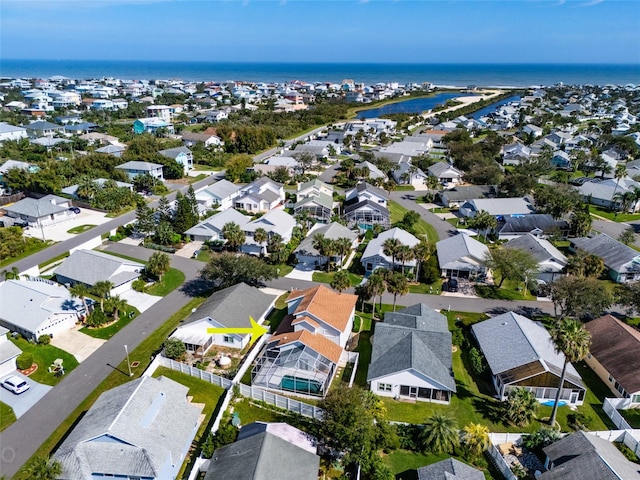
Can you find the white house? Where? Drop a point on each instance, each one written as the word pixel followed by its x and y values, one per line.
pixel 374 257
pixel 47 210
pixel 211 228
pixel 8 354
pixel 260 196
pixel 135 168
pixel 220 195
pixel 182 155
pixel 446 174
pixel 497 207
pixel 10 132
pixel 273 222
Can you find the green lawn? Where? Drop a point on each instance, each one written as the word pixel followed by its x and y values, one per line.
pixel 421 227
pixel 283 269
pixel 197 178
pixel 7 417
pixel 275 318
pixel 632 416
pixel 613 216
pixel 170 281
pixel 431 288
pixel 509 291
pixel 80 229
pixel 34 245
pixel 106 333
pixel 405 188
pixel 199 167
pixel 44 355
pixel 52 260
pixel 205 255
pixel 324 277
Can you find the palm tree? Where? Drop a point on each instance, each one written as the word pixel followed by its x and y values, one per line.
pixel 304 220
pixel 87 188
pixel 116 305
pixel 13 274
pixel 377 284
pixel 102 290
pixel 363 291
pixel 475 438
pixel 81 290
pixel 42 468
pixel 484 221
pixel 390 248
pixel 341 281
pixel 397 284
pixel 439 434
pixel 570 338
pixel 421 252
pixel 158 264
pixel 620 173
pixel 404 254
pixel 343 248
pixel 520 406
pixel 260 236
pixel 234 235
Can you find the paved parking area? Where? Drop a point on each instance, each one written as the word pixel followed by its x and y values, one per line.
pixel 59 231
pixel 142 301
pixel 76 343
pixel 23 402
pixel 189 249
pixel 301 272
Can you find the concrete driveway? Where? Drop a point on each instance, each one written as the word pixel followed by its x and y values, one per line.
pixel 76 343
pixel 301 272
pixel 142 301
pixel 23 402
pixel 58 231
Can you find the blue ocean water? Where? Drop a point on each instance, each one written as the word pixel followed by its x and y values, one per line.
pixel 522 75
pixel 417 105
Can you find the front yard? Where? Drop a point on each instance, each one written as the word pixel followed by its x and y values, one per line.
pixel 421 227
pixel 613 216
pixel 105 333
pixel 44 356
pixel 324 277
pixel 7 417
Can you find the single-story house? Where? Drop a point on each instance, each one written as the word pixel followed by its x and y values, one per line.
pixel 411 356
pixel 374 257
pixel 266 451
pixel 406 174
pixel 72 190
pixel 182 155
pixel 230 307
pixel 450 469
pixel 537 224
pixel 142 429
pixel 623 262
pixel 614 356
pixel 457 196
pixel 373 172
pixel 8 354
pixel 307 254
pixel 583 455
pixel 11 132
pixel 190 139
pixel 115 150
pixel 38 307
pixel 304 354
pixel 211 228
pixel 461 256
pixel 47 210
pixel 497 207
pixel 530 361
pixel 550 260
pixel 90 267
pixel 220 195
pixel 274 221
pixel 604 193
pixel 135 168
pixel 446 174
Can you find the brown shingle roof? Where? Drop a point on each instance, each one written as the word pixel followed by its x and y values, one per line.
pixel 616 346
pixel 318 343
pixel 323 303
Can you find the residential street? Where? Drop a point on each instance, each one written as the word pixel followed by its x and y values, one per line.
pixel 407 200
pixel 614 229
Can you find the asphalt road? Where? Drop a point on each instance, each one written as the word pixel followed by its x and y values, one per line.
pixel 21 440
pixel 407 200
pixel 63 247
pixel 272 151
pixel 614 229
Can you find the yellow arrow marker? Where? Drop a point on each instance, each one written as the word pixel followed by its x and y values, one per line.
pixel 256 330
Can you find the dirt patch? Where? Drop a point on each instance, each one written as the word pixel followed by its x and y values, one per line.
pixel 29 370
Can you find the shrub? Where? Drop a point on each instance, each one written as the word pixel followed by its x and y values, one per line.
pixel 579 421
pixel 173 348
pixel 225 435
pixel 409 436
pixel 477 361
pixel 540 438
pixel 44 339
pixel 457 337
pixel 139 285
pixel 208 446
pixel 96 319
pixel 24 361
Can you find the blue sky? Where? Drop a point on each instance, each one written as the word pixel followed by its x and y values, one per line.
pixel 514 31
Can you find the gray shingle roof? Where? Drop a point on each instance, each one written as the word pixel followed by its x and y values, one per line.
pixel 449 469
pixel 461 252
pixel 222 189
pixel 437 169
pixel 135 165
pixel 174 152
pixel 528 223
pixel 134 429
pixel 263 456
pixel 582 456
pixel 233 305
pixel 617 256
pixel 376 246
pixel 426 349
pixel 332 231
pixel 321 199
pixel 542 250
pixel 31 207
pixel 90 267
pixel 215 223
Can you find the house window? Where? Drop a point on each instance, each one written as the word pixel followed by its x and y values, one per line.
pixel 384 387
pixel 227 339
pixel 610 379
pixel 369 267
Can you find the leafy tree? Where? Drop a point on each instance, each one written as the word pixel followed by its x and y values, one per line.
pixel 173 348
pixel 439 434
pixel 305 160
pixel 280 174
pixel 164 210
pixel 556 200
pixel 227 269
pixel 512 263
pixel 629 296
pixel 520 406
pixel 158 264
pixel 234 235
pixel 541 438
pixel 102 289
pixel 237 166
pixel 573 340
pixel 477 361
pixel 164 233
pixel 186 214
pixel 475 438
pixel 585 264
pixel 145 222
pixel 577 297
pixel 24 360
pixel 340 281
pixel 397 284
pixel 42 468
pixel 628 236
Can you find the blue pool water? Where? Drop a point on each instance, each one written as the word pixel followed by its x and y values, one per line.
pixel 551 402
pixel 301 385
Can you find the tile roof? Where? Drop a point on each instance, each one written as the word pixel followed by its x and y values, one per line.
pixel 316 342
pixel 616 346
pixel 325 304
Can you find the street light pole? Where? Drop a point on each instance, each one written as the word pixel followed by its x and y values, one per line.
pixel 128 363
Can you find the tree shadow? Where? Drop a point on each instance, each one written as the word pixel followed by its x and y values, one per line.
pixel 197 287
pixel 491 410
pixel 497 310
pixel 408 475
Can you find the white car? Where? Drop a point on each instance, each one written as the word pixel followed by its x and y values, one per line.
pixel 16 384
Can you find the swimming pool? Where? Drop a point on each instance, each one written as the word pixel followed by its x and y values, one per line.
pixel 301 385
pixel 551 402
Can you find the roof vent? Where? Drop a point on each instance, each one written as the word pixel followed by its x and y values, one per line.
pixel 504 323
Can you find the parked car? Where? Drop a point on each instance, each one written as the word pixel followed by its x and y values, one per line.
pixel 74 209
pixel 15 384
pixel 452 285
